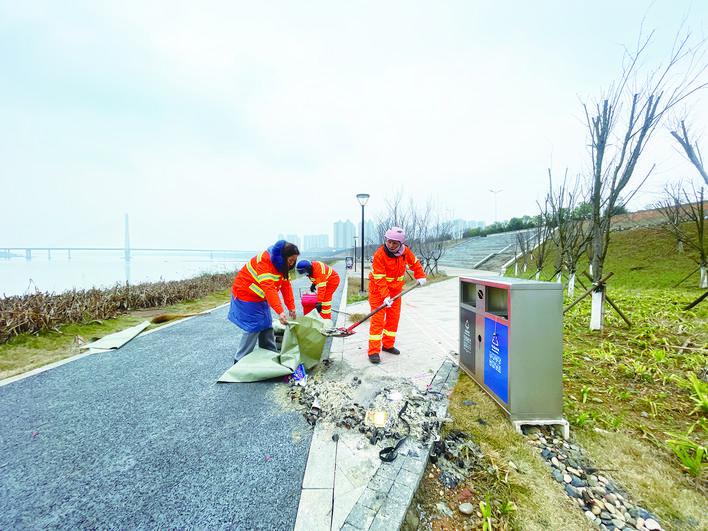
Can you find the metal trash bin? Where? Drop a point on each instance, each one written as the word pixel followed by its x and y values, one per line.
pixel 511 344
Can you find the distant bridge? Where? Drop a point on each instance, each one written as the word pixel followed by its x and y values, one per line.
pixel 8 252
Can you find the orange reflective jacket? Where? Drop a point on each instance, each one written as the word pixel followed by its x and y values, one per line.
pixel 387 275
pixel 321 275
pixel 259 280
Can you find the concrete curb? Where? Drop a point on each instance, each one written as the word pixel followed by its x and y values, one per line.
pixel 388 495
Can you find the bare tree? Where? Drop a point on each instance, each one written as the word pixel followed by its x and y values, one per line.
pixel 692 152
pixel 524 251
pixel 543 233
pixel 426 229
pixel 571 233
pixel 681 208
pixel 671 209
pixel 620 126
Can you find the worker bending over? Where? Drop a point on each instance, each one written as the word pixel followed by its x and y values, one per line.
pixel 255 291
pixel 386 280
pixel 324 281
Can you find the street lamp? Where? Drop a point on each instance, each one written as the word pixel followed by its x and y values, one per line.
pixel 495 192
pixel 362 198
pixel 355 254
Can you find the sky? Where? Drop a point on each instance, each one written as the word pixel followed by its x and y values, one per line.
pixel 220 124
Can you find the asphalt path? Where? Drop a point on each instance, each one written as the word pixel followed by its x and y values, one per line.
pixel 144 437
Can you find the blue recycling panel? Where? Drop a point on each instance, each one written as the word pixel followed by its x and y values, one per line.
pixel 496 358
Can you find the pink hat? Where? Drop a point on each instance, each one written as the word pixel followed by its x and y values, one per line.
pixel 396 234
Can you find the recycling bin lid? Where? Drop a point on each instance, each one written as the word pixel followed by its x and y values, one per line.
pixel 514 283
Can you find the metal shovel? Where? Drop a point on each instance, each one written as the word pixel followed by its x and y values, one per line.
pixel 345 332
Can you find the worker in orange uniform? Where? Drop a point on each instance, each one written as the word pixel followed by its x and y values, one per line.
pixel 386 280
pixel 255 291
pixel 324 281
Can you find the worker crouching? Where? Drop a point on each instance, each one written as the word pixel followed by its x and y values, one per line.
pixel 386 280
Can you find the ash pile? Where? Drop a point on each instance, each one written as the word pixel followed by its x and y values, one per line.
pixel 383 414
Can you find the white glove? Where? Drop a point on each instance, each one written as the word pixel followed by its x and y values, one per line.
pixel 422 281
pixel 388 302
pixel 283 318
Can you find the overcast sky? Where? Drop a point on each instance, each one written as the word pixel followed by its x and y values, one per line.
pixel 221 124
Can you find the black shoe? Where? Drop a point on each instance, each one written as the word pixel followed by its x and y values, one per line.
pixel 374 358
pixel 392 350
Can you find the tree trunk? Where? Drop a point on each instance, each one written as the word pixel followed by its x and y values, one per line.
pixel 516 269
pixel 704 277
pixel 571 285
pixel 538 274
pixel 559 277
pixel 598 309
pixel 524 268
pixel 679 246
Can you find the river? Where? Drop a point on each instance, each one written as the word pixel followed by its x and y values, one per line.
pixel 103 269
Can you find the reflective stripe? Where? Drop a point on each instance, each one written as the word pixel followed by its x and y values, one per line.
pixel 377 277
pixel 389 279
pixel 375 338
pixel 402 277
pixel 326 312
pixel 390 334
pixel 327 304
pixel 268 276
pixel 260 257
pixel 252 270
pixel 321 284
pixel 258 291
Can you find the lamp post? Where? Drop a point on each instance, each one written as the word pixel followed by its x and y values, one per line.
pixel 355 254
pixel 362 198
pixel 495 192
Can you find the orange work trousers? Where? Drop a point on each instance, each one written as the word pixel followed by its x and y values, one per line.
pixel 332 286
pixel 384 324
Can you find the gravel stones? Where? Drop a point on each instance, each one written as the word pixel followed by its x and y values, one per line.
pixel 601 500
pixel 466 508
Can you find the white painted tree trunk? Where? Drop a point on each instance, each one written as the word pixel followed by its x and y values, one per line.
pixel 571 285
pixel 680 246
pixel 524 269
pixel 516 269
pixel 598 310
pixel 704 277
pixel 590 268
pixel 538 274
pixel 559 277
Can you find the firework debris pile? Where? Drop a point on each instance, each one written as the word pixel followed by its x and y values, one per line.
pixel 378 415
pixel 455 455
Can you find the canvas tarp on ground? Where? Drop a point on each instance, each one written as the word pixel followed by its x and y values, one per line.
pixel 302 343
pixel 116 340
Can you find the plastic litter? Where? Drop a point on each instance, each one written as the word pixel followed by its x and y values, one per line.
pixel 299 377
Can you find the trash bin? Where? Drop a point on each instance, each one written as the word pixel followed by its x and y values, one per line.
pixel 511 344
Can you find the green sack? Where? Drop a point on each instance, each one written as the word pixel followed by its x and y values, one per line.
pixel 302 343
